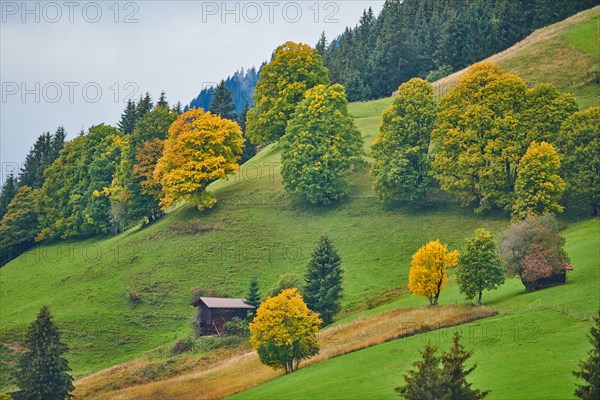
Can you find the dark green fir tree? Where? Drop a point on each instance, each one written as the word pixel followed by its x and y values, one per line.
pixel 222 103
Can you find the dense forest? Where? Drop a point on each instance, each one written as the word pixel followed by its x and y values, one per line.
pixel 431 39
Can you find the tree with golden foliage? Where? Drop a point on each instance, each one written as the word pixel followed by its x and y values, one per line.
pixel 284 331
pixel 200 148
pixel 485 125
pixel 294 68
pixel 538 188
pixel 429 270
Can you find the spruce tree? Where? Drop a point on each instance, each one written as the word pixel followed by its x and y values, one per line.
pixel 178 108
pixel 144 105
pixel 424 382
pixel 222 103
pixel 454 373
pixel 162 101
pixel 590 369
pixel 128 118
pixel 323 290
pixel 7 193
pixel 322 44
pixel 253 297
pixel 43 372
pixel 57 143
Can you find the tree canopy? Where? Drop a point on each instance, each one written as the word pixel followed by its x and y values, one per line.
pixel 429 270
pixel 321 146
pixel 293 69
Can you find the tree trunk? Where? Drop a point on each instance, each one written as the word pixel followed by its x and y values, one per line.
pixel 479 299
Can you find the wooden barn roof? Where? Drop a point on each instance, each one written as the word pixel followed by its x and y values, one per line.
pixel 219 302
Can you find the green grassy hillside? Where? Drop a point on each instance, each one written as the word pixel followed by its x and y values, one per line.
pixel 256 230
pixel 528 351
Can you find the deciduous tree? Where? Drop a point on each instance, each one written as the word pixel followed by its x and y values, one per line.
pixel 429 270
pixel 201 148
pixel 294 68
pixel 485 125
pixel 534 249
pixel 323 290
pixel 479 266
pixel 579 141
pixel 401 150
pixel 284 331
pixel 538 188
pixel 321 146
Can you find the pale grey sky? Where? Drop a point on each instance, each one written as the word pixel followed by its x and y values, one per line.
pixel 74 63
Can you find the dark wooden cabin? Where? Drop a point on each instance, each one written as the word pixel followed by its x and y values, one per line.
pixel 213 312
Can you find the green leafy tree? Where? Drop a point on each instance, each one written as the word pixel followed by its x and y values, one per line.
pixel 590 369
pixel 479 266
pixel 485 125
pixel 222 103
pixel 19 226
pixel 321 146
pixel 288 280
pixel 323 290
pixel 7 193
pixel 249 150
pixel 455 372
pixel 401 150
pixel 43 371
pixel 538 188
pixel 424 381
pixel 253 296
pixel 128 118
pixel 75 198
pixel 294 68
pixel 579 141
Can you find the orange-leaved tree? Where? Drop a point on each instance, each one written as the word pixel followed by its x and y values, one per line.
pixel 284 331
pixel 200 148
pixel 429 270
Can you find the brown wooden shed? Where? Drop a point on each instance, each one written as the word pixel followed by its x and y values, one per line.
pixel 213 312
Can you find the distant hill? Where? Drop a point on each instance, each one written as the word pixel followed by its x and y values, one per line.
pixel 241 84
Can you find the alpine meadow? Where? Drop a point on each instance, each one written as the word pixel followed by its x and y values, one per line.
pixel 404 208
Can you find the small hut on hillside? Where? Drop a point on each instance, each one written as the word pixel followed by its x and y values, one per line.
pixel 213 312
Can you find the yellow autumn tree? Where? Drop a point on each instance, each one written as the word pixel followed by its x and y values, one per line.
pixel 284 331
pixel 200 148
pixel 429 270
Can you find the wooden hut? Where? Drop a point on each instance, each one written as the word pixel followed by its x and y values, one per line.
pixel 213 312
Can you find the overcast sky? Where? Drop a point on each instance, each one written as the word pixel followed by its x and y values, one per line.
pixel 76 63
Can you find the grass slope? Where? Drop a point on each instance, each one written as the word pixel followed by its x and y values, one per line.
pixel 528 351
pixel 256 230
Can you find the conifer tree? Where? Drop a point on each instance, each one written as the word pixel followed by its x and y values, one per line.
pixel 424 382
pixel 455 372
pixel 222 103
pixel 178 108
pixel 323 290
pixel 253 297
pixel 162 101
pixel 590 369
pixel 144 105
pixel 7 193
pixel 128 118
pixel 43 372
pixel 322 44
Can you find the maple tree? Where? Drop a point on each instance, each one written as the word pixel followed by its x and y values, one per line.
pixel 200 148
pixel 429 270
pixel 294 68
pixel 284 331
